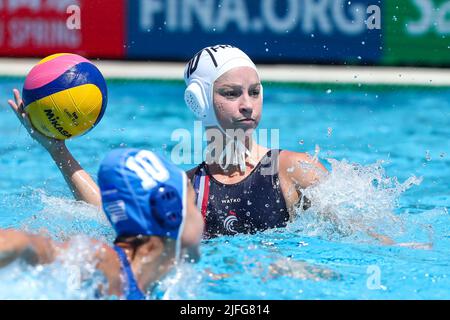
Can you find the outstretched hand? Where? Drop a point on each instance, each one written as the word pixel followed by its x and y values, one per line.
pixel 80 183
pixel 51 144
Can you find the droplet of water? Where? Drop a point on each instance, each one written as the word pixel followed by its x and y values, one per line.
pixel 316 153
pixel 329 131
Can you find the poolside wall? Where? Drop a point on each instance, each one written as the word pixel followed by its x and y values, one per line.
pixel 359 32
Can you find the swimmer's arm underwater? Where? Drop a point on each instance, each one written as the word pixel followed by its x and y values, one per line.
pixel 38 250
pixel 32 249
pixel 303 171
pixel 79 181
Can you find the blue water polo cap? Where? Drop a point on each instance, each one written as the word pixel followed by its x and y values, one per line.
pixel 142 193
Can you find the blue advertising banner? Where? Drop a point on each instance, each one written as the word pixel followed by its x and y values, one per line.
pixel 315 31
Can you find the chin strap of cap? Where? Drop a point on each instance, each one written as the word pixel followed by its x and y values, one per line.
pixel 238 155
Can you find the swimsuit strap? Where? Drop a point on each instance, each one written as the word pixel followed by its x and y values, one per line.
pixel 201 187
pixel 132 291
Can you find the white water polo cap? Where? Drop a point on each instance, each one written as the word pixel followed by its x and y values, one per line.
pixel 202 71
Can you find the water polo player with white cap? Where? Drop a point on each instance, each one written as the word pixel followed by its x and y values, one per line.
pixel 241 187
pixel 146 200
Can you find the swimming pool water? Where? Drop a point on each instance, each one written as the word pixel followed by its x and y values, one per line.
pixel 407 129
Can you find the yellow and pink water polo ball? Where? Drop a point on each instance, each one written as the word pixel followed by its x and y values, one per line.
pixel 64 95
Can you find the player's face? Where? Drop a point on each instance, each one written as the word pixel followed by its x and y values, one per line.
pixel 238 99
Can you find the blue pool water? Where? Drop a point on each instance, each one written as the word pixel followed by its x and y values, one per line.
pixel 391 173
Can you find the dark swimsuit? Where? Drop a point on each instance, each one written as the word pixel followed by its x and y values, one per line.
pixel 253 204
pixel 131 290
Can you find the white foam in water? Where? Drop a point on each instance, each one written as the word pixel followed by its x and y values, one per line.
pixel 351 200
pixel 183 282
pixel 72 276
pixel 62 218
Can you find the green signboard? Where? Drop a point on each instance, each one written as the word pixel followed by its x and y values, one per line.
pixel 416 32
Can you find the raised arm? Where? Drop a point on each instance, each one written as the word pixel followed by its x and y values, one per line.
pixel 79 181
pixel 32 249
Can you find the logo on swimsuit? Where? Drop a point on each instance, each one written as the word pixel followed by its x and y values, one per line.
pixel 231 200
pixel 229 222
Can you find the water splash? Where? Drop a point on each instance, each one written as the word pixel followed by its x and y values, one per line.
pixel 71 276
pixel 351 200
pixel 183 282
pixel 315 158
pixel 63 218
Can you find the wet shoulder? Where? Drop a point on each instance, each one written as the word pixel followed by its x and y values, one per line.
pixel 300 168
pixel 290 159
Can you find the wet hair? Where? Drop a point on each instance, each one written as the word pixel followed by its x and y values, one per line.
pixel 133 241
pixel 136 241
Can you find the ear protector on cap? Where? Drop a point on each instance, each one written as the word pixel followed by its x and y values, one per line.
pixel 166 206
pixel 196 99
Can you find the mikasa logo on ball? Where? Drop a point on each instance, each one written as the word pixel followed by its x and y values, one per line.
pixel 54 121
